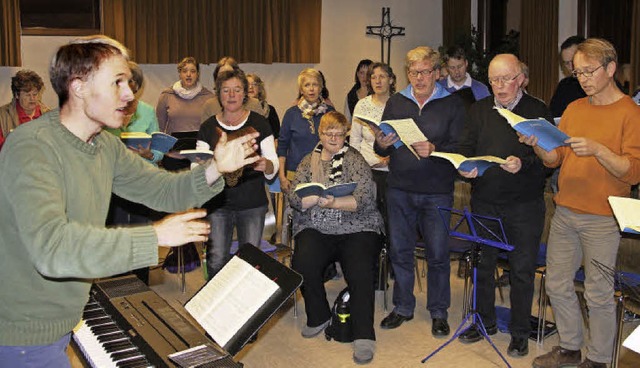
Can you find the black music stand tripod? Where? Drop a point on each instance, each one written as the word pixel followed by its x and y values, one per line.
pixel 495 240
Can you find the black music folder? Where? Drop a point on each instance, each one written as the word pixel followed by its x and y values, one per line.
pixel 186 141
pixel 242 297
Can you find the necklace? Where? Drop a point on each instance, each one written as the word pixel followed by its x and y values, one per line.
pixel 234 121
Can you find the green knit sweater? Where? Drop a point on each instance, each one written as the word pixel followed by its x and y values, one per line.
pixel 54 196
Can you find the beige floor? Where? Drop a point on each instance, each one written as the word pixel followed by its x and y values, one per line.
pixel 280 344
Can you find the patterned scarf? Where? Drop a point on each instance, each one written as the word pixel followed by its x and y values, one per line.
pixel 310 110
pixel 335 173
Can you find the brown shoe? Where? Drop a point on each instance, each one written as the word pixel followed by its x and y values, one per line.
pixel 588 363
pixel 558 357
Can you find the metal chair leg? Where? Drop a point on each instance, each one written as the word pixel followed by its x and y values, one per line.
pixel 418 275
pixel 499 286
pixel 542 308
pixel 468 285
pixel 620 323
pixel 383 275
pixel 182 273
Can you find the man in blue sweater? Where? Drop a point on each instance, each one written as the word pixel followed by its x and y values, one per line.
pixel 417 186
pixel 456 62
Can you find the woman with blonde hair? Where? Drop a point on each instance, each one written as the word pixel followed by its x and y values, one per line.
pixel 299 131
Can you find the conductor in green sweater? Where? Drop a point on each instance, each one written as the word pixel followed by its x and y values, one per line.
pixel 58 173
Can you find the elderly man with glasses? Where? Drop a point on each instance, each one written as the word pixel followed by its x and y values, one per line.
pixel 417 186
pixel 601 159
pixel 512 192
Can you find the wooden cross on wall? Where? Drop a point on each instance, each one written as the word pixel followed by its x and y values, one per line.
pixel 385 31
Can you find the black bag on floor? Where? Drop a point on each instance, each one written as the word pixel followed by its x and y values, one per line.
pixel 191 259
pixel 340 328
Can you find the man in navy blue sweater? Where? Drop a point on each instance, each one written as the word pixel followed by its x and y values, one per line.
pixel 417 186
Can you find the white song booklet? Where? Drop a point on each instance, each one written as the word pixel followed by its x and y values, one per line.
pixel 228 300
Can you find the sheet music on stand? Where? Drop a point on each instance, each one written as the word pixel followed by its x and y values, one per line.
pixel 242 297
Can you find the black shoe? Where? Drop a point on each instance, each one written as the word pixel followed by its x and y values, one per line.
pixel 439 327
pixel 473 334
pixel 394 320
pixel 518 347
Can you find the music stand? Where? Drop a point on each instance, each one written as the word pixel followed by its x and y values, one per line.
pixel 493 239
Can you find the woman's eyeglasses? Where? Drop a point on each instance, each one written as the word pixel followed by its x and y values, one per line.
pixel 334 135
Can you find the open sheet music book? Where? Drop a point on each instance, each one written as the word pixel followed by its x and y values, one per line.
pixel 549 136
pixel 230 299
pixel 337 190
pixel 405 129
pixel 463 163
pixel 156 141
pixel 627 213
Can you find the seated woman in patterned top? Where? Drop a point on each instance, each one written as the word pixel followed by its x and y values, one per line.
pixel 345 229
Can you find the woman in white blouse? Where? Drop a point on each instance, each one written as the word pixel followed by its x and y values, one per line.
pixel 381 83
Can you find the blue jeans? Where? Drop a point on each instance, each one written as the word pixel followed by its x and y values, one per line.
pixel 37 356
pixel 409 212
pixel 249 225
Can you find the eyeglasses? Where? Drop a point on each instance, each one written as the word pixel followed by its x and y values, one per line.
pixel 504 80
pixel 586 73
pixel 424 73
pixel 254 84
pixel 334 135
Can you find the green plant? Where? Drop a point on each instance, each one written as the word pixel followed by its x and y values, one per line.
pixel 479 59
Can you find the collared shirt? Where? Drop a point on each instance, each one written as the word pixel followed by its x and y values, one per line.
pixel 438 92
pixel 467 82
pixel 23 117
pixel 511 104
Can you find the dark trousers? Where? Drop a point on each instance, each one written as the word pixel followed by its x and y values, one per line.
pixel 523 224
pixel 380 178
pixel 357 254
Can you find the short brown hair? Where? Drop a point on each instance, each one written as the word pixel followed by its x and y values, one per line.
pixel 225 60
pixel 230 74
pixel 189 60
pixel 78 59
pixel 599 49
pixel 334 120
pixel 25 80
pixel 137 76
pixel 387 69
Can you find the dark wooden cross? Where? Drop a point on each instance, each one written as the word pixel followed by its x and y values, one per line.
pixel 385 31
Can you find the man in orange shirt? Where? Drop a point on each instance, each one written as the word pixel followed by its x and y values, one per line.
pixel 602 158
